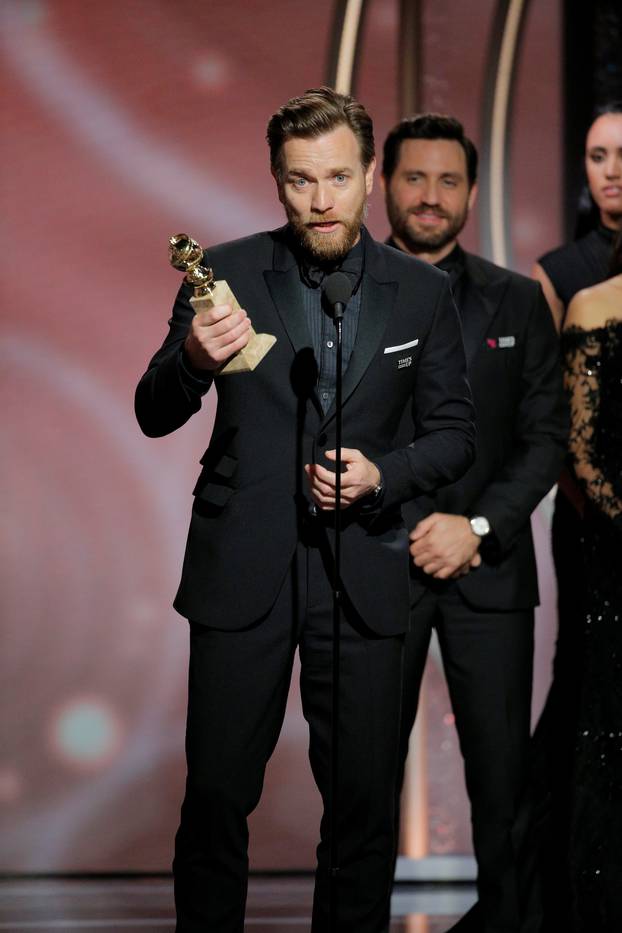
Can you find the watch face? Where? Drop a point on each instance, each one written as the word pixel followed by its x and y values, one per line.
pixel 480 525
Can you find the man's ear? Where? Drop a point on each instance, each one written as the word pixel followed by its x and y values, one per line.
pixel 472 196
pixel 279 185
pixel 369 176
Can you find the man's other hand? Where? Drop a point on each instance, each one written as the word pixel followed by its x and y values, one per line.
pixel 216 335
pixel 359 479
pixel 445 546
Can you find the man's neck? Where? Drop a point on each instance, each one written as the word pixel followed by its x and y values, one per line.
pixel 431 256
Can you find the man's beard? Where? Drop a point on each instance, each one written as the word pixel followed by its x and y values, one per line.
pixel 422 241
pixel 327 247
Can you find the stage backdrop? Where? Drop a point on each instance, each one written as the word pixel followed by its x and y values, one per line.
pixel 125 122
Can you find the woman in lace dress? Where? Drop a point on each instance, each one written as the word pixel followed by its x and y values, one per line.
pixel 564 271
pixel 592 346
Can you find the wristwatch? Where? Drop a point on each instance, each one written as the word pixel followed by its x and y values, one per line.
pixel 377 490
pixel 480 526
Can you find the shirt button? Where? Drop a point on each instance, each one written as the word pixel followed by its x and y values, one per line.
pixel 330 344
pixel 324 395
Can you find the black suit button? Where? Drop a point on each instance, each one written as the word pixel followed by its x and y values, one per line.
pixel 321 441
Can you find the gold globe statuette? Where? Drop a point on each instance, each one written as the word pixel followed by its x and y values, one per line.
pixel 186 254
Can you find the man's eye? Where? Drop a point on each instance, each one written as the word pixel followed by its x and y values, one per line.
pixel 300 182
pixel 449 183
pixel 340 179
pixel 413 178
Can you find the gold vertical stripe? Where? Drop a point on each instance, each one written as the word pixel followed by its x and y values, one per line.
pixel 414 815
pixel 347 46
pixel 499 131
pixel 409 57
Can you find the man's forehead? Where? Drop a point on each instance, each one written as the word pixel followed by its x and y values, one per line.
pixel 439 155
pixel 339 145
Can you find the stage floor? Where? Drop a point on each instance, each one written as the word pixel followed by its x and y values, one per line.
pixel 276 904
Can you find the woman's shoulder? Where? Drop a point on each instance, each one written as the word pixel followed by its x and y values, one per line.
pixel 597 307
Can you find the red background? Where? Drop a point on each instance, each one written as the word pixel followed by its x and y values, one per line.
pixel 125 122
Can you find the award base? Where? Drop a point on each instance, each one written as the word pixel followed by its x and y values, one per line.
pixel 247 359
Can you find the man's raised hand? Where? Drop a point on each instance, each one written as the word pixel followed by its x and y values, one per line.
pixel 216 335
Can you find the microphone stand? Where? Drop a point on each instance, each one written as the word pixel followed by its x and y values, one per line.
pixel 333 785
pixel 338 290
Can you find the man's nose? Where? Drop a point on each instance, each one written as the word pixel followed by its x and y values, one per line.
pixel 430 193
pixel 322 199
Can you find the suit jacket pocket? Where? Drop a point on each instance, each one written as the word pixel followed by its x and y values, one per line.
pixel 215 493
pixel 224 465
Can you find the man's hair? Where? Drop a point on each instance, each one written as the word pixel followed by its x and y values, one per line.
pixel 318 111
pixel 428 126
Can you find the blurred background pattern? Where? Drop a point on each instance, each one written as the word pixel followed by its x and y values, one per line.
pixel 125 122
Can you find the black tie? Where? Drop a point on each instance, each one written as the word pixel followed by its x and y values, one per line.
pixel 314 275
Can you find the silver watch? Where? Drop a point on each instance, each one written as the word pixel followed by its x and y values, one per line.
pixel 480 526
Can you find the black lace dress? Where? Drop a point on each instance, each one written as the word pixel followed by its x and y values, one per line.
pixel 594 380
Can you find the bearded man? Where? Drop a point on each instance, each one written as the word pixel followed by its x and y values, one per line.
pixel 473 568
pixel 256 580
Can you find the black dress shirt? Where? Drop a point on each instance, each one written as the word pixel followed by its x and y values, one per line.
pixel 320 321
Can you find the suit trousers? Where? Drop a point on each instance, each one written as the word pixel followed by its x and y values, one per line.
pixel 238 686
pixel 488 660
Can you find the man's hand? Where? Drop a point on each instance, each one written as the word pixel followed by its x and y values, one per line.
pixel 445 546
pixel 361 477
pixel 216 335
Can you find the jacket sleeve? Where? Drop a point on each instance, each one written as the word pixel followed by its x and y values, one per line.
pixel 540 434
pixel 444 437
pixel 171 391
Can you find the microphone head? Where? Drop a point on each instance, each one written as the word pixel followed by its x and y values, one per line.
pixel 338 288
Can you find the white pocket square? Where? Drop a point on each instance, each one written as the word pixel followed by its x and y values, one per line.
pixel 402 346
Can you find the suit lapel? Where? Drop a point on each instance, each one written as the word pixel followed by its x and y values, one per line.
pixel 378 299
pixel 283 283
pixel 481 301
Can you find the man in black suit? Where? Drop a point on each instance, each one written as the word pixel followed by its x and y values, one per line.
pixel 256 577
pixel 474 571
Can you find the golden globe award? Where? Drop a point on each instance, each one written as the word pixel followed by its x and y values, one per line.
pixel 186 254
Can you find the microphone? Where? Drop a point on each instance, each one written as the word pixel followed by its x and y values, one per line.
pixel 338 290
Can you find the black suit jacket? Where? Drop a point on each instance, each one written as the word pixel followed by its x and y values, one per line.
pixel 514 370
pixel 250 498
